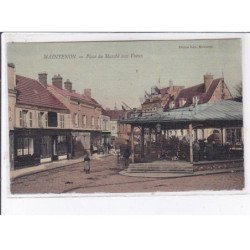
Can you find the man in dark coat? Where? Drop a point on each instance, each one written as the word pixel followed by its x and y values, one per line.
pixel 126 154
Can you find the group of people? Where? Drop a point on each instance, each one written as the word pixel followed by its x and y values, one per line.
pixel 125 154
pixel 105 148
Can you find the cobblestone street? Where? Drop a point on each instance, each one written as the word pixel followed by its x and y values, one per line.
pixel 105 177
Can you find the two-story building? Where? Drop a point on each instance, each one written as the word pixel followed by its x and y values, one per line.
pixel 159 98
pixel 119 132
pixel 38 122
pixel 106 128
pixel 210 90
pixel 85 114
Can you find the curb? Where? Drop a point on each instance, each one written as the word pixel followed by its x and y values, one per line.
pixel 179 175
pixel 48 168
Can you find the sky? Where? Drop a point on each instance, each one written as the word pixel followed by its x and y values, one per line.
pixel 121 71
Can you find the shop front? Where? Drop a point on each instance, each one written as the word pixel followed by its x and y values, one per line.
pixel 36 146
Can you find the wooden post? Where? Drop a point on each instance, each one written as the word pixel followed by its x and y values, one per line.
pixel 150 139
pixel 142 142
pixel 222 136
pixel 191 142
pixel 196 134
pixel 132 144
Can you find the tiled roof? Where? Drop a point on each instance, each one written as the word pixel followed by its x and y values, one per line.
pixel 31 92
pixel 115 114
pixel 197 90
pixel 77 96
pixel 165 93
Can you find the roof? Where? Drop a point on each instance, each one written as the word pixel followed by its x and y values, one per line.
pixel 223 110
pixel 197 90
pixel 115 114
pixel 77 96
pixel 163 92
pixel 33 93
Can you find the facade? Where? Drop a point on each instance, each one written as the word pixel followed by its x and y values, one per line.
pixel 211 90
pixel 159 98
pixel 85 115
pixel 38 122
pixel 105 128
pixel 119 132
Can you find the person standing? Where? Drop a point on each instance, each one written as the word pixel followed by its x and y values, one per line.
pixel 86 164
pixel 126 154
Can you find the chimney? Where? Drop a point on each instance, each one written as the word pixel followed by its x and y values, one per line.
pixel 42 78
pixel 170 83
pixel 208 78
pixel 11 76
pixel 87 92
pixel 57 81
pixel 68 85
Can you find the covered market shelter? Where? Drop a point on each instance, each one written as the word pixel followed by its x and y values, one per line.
pixel 218 115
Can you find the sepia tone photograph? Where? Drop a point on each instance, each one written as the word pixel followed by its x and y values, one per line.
pixel 136 116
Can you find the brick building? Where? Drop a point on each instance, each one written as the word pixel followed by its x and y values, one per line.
pixel 39 131
pixel 85 114
pixel 211 90
pixel 159 98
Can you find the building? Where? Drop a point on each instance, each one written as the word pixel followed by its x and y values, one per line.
pixel 223 114
pixel 211 90
pixel 85 113
pixel 119 132
pixel 105 128
pixel 38 123
pixel 159 98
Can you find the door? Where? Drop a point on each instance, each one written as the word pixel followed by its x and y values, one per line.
pixel 54 148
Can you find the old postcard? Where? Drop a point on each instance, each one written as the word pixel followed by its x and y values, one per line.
pixel 117 115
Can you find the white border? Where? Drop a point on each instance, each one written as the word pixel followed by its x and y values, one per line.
pixel 135 203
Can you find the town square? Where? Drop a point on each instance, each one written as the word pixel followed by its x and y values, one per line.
pixel 167 117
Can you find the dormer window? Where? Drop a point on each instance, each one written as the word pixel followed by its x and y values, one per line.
pixel 182 102
pixel 171 104
pixel 195 100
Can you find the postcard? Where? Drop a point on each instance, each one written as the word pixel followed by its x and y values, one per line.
pixel 109 114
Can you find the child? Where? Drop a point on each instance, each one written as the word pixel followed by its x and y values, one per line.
pixel 86 164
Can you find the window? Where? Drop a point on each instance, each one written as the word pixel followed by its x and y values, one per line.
pixel 84 121
pixel 62 145
pixel 105 124
pixel 52 119
pixel 92 121
pixel 40 121
pixel 195 100
pixel 25 146
pixel 31 117
pixel 46 120
pixel 76 119
pixel 182 102
pixel 98 123
pixel 171 105
pixel 46 147
pixel 62 121
pixel 22 118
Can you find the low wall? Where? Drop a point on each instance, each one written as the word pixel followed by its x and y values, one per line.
pixel 211 165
